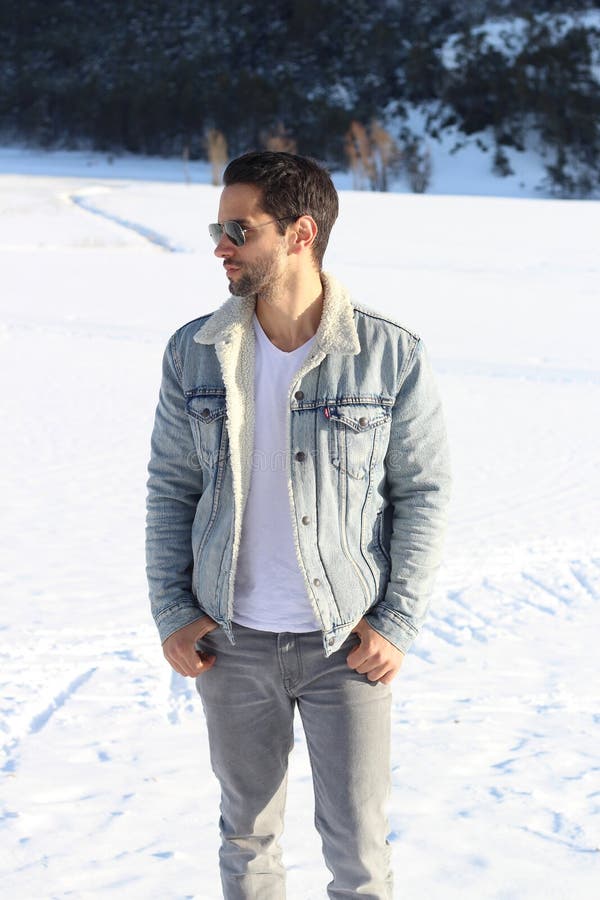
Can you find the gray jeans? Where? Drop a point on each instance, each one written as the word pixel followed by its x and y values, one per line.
pixel 249 698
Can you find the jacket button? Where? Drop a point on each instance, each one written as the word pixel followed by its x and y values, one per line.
pixel 317 582
pixel 306 520
pixel 300 456
pixel 331 642
pixel 299 395
pixel 362 421
pixel 206 412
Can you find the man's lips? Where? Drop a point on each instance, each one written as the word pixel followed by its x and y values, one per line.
pixel 230 268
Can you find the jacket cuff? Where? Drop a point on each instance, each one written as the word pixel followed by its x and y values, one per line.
pixel 392 626
pixel 175 617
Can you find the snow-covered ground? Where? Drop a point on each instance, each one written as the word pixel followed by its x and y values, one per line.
pixel 459 164
pixel 106 783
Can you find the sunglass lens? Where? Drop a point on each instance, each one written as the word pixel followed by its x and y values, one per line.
pixel 215 230
pixel 233 230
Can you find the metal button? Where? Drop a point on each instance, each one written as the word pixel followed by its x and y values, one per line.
pixel 362 421
pixel 206 412
pixel 306 520
pixel 300 456
pixel 299 395
pixel 316 582
pixel 331 642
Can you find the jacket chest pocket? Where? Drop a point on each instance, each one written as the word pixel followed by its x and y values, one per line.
pixel 358 433
pixel 207 413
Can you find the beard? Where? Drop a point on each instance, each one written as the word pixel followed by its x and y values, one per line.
pixel 261 277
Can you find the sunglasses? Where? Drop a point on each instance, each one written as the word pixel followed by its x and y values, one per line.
pixel 236 232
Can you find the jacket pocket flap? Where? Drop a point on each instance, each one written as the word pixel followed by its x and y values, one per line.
pixel 360 417
pixel 206 407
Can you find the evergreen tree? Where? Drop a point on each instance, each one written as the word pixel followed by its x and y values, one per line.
pixel 157 77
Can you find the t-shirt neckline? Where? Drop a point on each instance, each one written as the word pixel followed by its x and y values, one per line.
pixel 288 354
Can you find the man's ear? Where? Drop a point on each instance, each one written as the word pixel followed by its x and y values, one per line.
pixel 303 233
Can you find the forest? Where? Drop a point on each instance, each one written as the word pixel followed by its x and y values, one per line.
pixel 336 79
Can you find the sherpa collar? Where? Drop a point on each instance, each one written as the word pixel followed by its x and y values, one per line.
pixel 336 332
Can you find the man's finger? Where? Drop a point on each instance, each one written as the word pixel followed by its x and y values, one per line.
pixel 357 657
pixel 371 661
pixel 207 661
pixel 199 663
pixel 378 673
pixel 191 664
pixel 369 665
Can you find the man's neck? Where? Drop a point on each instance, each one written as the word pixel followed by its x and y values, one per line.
pixel 292 317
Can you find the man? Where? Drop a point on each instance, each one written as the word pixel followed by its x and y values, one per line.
pixel 296 507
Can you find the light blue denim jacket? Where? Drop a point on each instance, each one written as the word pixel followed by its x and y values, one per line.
pixel 367 461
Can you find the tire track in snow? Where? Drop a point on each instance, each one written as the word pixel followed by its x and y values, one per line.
pixel 181 698
pixel 555 374
pixel 79 328
pixel 458 619
pixel 41 719
pixel 80 199
pixel 38 722
pixel 569 842
pixel 584 579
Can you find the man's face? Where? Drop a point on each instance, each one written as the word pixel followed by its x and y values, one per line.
pixel 259 265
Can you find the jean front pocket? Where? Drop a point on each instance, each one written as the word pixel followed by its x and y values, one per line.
pixel 207 642
pixel 207 412
pixel 357 432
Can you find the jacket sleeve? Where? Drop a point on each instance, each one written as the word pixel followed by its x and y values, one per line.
pixel 418 479
pixel 174 489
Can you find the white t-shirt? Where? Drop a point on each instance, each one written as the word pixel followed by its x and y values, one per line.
pixel 270 594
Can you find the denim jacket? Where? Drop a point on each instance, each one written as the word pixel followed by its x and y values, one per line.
pixel 367 463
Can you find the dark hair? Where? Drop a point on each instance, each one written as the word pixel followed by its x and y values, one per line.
pixel 292 186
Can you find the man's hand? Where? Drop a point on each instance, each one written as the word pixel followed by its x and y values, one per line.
pixel 180 652
pixel 375 656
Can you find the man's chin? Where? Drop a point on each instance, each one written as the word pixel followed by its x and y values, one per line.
pixel 232 288
pixel 240 288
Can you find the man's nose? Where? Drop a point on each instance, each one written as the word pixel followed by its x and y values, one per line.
pixel 225 247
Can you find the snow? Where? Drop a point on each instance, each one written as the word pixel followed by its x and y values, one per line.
pixel 509 36
pixel 460 165
pixel 107 789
